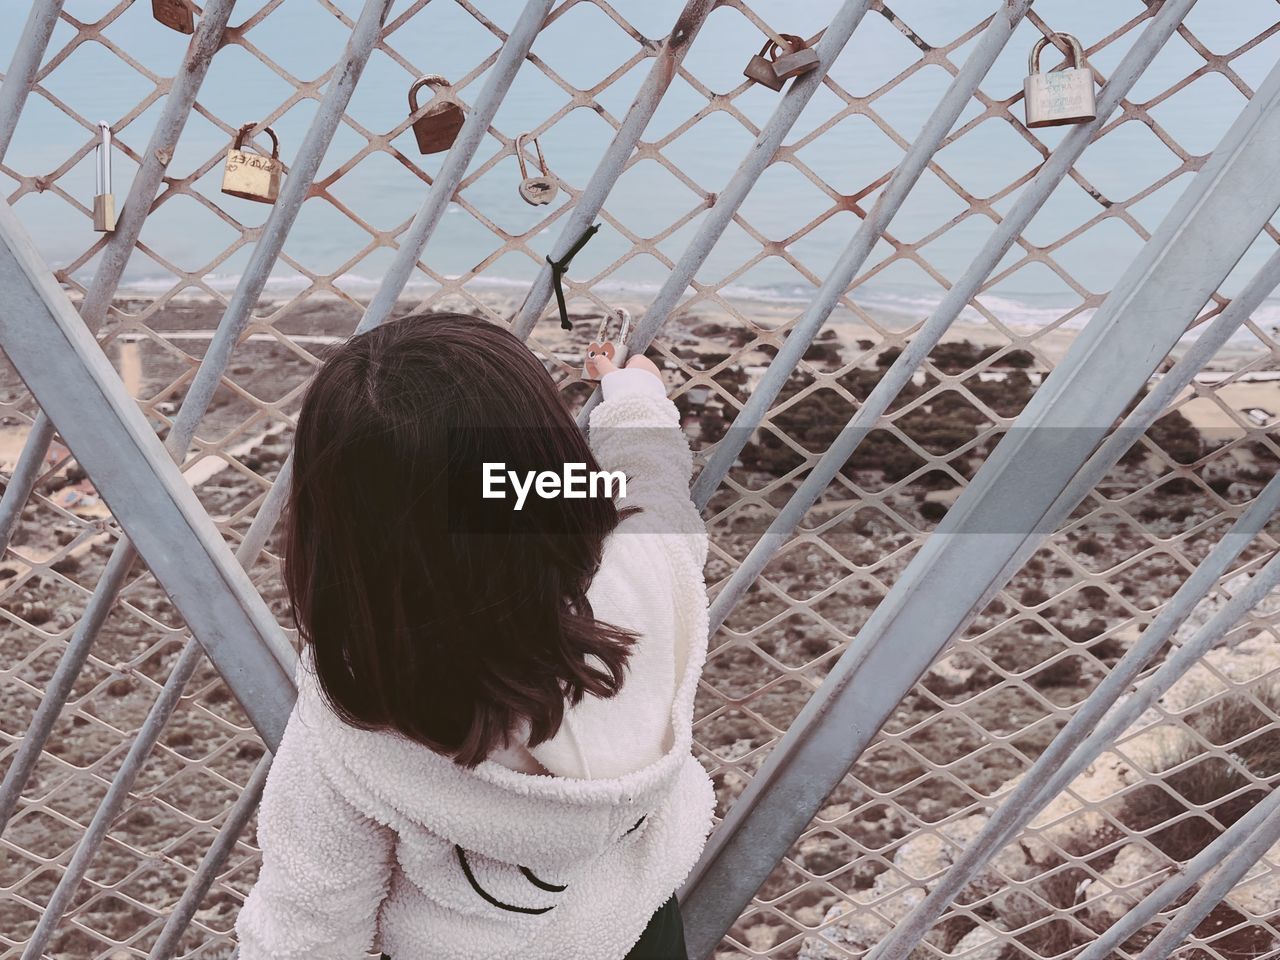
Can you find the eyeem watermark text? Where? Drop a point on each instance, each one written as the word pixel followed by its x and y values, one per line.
pixel 574 482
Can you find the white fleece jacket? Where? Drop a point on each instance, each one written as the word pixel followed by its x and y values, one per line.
pixel 373 842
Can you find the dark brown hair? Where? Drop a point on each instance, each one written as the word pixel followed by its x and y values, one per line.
pixel 431 611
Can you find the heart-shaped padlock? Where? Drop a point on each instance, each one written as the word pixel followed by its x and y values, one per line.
pixel 594 351
pixel 539 190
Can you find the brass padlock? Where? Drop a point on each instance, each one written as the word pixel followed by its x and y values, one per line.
pixel 760 67
pixel 1062 96
pixel 612 348
pixel 253 176
pixel 796 58
pixel 104 201
pixel 537 190
pixel 175 14
pixel 439 124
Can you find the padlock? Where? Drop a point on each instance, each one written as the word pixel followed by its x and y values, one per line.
pixel 253 176
pixel 104 201
pixel 438 126
pixel 614 349
pixel 175 14
pixel 796 58
pixel 1062 96
pixel 535 190
pixel 760 67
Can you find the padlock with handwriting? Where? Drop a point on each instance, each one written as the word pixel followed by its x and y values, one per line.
pixel 1061 96
pixel 250 175
pixel 175 14
pixel 442 118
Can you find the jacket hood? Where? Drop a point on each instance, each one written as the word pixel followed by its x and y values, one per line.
pixel 540 821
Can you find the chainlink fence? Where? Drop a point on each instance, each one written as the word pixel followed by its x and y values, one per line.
pixel 1195 761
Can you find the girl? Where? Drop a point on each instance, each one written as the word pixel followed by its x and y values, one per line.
pixel 490 754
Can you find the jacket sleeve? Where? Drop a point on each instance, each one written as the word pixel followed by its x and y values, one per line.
pixel 650 581
pixel 636 430
pixel 325 871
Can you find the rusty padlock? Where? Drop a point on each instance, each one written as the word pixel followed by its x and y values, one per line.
pixel 253 176
pixel 795 59
pixel 760 67
pixel 175 14
pixel 443 117
pixel 538 190
pixel 612 348
pixel 104 201
pixel 1062 96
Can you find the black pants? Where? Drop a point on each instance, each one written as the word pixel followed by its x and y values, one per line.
pixel 663 938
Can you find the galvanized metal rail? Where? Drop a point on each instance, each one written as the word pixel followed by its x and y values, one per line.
pixel 1065 758
pixel 93 310
pixel 67 372
pixel 1188 256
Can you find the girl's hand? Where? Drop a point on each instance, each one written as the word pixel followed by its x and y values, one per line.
pixel 641 377
pixel 604 365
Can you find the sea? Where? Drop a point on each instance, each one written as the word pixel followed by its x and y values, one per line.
pixel 592 56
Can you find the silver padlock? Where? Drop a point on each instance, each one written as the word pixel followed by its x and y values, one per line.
pixel 537 190
pixel 104 201
pixel 1061 96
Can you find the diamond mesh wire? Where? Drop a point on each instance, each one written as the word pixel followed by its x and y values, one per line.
pixel 983 712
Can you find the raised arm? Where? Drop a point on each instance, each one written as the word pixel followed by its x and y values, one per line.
pixel 636 430
pixel 325 866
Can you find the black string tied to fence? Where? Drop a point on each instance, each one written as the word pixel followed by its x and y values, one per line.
pixel 558 267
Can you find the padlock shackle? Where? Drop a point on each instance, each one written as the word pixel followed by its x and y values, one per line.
pixel 1077 51
pixel 102 169
pixel 243 131
pixel 524 169
pixel 623 316
pixel 430 80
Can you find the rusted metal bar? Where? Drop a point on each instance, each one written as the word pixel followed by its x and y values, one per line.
pixel 730 199
pixel 1003 23
pixel 25 65
pixel 1195 247
pixel 473 131
pixel 614 161
pixel 1064 758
